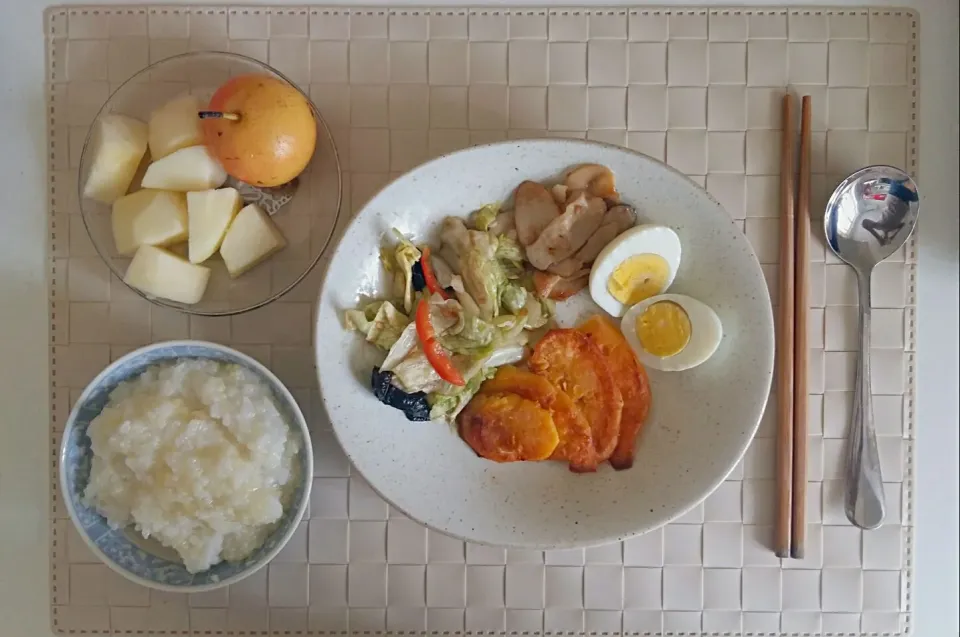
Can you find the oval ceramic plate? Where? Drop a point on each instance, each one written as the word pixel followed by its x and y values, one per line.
pixel 701 420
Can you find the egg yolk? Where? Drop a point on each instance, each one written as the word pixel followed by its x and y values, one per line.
pixel 663 329
pixel 638 278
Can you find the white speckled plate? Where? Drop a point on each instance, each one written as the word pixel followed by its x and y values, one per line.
pixel 701 421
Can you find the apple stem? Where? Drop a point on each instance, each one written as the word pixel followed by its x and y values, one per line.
pixel 218 115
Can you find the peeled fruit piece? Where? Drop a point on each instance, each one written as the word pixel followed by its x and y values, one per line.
pixel 209 213
pixel 174 125
pixel 187 169
pixel 157 272
pixel 151 217
pixel 119 144
pixel 273 135
pixel 251 238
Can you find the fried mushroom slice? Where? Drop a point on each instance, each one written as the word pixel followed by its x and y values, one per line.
pixel 566 234
pixel 533 210
pixel 615 221
pixel 596 179
pixel 559 288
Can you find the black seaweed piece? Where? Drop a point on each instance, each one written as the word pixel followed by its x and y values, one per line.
pixel 419 282
pixel 414 406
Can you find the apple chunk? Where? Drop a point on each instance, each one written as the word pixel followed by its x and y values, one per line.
pixel 187 169
pixel 174 125
pixel 152 217
pixel 209 214
pixel 157 272
pixel 251 238
pixel 119 144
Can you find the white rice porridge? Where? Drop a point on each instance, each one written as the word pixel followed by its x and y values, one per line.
pixel 196 455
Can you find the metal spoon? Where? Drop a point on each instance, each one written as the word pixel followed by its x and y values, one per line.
pixel 869 216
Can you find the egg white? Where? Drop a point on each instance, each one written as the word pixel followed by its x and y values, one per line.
pixel 706 331
pixel 644 239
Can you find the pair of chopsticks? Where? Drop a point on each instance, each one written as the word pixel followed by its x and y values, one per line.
pixel 792 348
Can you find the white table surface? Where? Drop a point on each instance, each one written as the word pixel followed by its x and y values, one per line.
pixel 24 460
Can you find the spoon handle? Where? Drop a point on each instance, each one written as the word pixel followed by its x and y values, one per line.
pixel 864 484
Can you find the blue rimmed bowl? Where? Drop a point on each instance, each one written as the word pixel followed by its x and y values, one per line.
pixel 124 550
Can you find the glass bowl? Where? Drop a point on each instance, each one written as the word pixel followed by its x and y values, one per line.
pixel 307 209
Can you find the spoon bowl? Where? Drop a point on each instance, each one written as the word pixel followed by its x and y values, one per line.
pixel 869 217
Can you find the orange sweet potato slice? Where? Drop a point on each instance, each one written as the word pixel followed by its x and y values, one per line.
pixel 508 428
pixel 575 365
pixel 576 439
pixel 631 379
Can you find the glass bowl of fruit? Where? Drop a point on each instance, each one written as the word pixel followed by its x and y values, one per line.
pixel 210 183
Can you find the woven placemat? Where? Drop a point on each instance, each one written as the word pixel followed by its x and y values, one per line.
pixel 699 88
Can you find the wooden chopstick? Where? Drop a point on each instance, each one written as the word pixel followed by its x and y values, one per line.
pixel 801 305
pixel 785 344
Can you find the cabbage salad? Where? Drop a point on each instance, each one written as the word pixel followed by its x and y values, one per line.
pixel 453 315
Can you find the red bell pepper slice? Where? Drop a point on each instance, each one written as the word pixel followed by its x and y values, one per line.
pixel 429 277
pixel 431 347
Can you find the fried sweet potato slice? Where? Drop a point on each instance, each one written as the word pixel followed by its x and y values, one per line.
pixel 575 365
pixel 576 439
pixel 513 380
pixel 631 379
pixel 507 428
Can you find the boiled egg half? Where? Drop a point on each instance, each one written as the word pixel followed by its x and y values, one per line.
pixel 640 263
pixel 672 332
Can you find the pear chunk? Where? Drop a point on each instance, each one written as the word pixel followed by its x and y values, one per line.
pixel 120 142
pixel 251 238
pixel 152 217
pixel 157 272
pixel 209 213
pixel 190 168
pixel 174 125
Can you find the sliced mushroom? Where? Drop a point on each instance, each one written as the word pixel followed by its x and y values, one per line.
pixel 502 224
pixel 568 286
pixel 567 267
pixel 596 179
pixel 568 232
pixel 469 305
pixel 558 288
pixel 559 192
pixel 451 257
pixel 453 233
pixel 534 209
pixel 615 221
pixel 441 270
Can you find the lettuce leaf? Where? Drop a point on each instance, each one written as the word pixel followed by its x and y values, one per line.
pixel 482 274
pixel 513 297
pixel 401 348
pixel 473 335
pixel 380 323
pixel 404 256
pixel 485 216
pixel 446 405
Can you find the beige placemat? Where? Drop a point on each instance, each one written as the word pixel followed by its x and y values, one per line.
pixel 696 87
